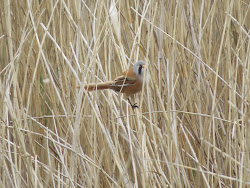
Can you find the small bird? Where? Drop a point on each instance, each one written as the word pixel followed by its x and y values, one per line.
pixel 129 82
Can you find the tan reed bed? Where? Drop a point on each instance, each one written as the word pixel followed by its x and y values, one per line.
pixel 192 125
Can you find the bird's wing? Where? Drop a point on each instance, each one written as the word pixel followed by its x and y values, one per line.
pixel 122 81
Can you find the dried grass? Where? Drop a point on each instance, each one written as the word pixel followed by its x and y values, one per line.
pixel 192 126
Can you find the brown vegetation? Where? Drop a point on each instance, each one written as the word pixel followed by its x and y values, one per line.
pixel 192 125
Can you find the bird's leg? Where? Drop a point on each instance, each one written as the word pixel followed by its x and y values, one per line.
pixel 133 105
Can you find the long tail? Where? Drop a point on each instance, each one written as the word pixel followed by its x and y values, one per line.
pixel 97 86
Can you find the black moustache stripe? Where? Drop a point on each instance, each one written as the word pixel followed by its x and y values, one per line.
pixel 139 70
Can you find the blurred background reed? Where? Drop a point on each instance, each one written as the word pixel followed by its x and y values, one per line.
pixel 192 125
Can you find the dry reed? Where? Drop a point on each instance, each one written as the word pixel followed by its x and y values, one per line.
pixel 192 125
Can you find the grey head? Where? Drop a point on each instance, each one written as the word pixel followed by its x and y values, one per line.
pixel 139 68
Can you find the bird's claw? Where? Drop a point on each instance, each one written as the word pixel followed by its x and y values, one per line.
pixel 135 106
